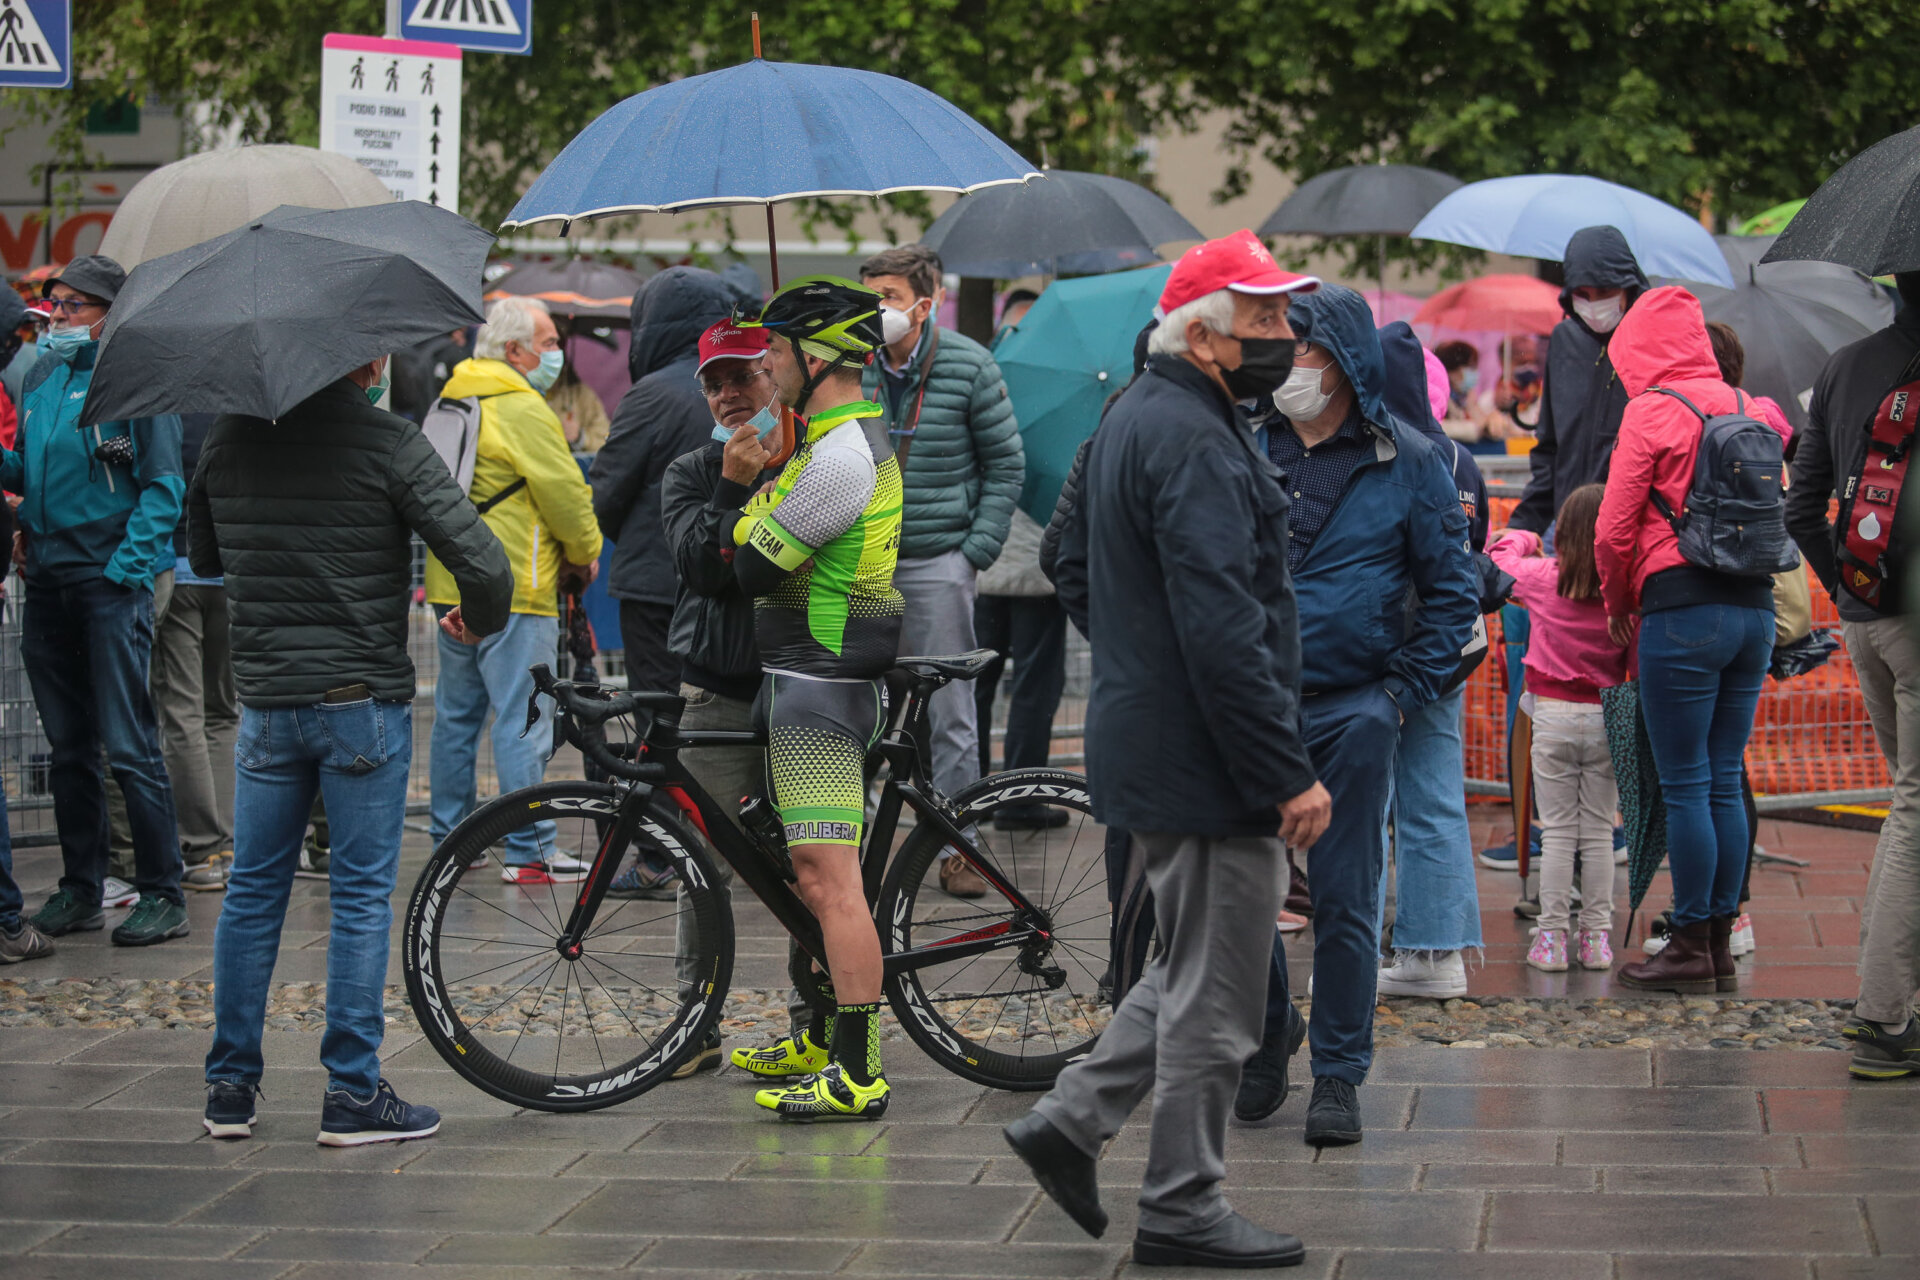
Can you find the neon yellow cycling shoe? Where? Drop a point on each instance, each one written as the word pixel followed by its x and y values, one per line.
pixel 828 1094
pixel 793 1056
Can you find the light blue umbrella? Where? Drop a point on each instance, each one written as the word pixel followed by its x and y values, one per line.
pixel 1534 215
pixel 1071 351
pixel 764 132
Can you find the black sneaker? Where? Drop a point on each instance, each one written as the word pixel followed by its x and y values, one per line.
pixel 153 919
pixel 1878 1054
pixel 347 1121
pixel 1333 1117
pixel 1263 1081
pixel 230 1109
pixel 64 913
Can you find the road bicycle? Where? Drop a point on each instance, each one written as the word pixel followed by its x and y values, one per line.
pixel 563 998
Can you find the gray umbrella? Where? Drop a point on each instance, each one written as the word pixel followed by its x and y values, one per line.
pixel 1063 223
pixel 1790 317
pixel 261 318
pixel 1377 200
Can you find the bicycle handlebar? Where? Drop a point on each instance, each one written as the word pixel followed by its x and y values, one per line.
pixel 584 716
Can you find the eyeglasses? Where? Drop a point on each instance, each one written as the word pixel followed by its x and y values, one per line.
pixel 739 382
pixel 71 306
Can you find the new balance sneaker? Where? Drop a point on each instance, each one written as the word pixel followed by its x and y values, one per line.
pixel 1740 942
pixel 210 876
pixel 828 1094
pixel 1439 974
pixel 1593 949
pixel 315 858
pixel 1878 1054
pixel 656 884
pixel 230 1109
pixel 705 1058
pixel 793 1056
pixel 1549 951
pixel 64 913
pixel 153 919
pixel 116 893
pixel 347 1121
pixel 24 943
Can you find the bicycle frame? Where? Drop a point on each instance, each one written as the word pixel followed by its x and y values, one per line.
pixel 900 749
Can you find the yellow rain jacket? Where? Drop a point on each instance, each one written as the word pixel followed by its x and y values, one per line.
pixel 547 519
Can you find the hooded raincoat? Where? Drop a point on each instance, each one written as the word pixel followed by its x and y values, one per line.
pixel 1582 400
pixel 662 416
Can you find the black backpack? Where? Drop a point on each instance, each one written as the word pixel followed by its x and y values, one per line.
pixel 1735 518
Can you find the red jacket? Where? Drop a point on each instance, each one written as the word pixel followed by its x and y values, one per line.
pixel 1662 342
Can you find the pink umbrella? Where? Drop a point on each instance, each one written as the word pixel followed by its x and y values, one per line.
pixel 1510 304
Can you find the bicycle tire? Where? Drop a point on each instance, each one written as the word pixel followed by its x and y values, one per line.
pixel 664 1027
pixel 926 1002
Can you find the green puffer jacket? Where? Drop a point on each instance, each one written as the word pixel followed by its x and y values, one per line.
pixel 965 466
pixel 309 518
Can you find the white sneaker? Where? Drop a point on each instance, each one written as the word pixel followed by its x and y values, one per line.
pixel 1439 974
pixel 1740 943
pixel 117 893
pixel 560 866
pixel 1654 945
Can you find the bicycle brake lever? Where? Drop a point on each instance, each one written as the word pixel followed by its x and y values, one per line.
pixel 533 713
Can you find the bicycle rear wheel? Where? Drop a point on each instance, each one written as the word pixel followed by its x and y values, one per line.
pixel 499 1001
pixel 1010 1018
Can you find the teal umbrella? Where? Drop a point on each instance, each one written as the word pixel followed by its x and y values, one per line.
pixel 1069 353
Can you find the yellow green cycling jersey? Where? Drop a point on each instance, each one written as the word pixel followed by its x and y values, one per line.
pixel 817 552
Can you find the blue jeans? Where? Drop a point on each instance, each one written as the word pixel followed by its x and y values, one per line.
pixel 355 754
pixel 10 902
pixel 1350 736
pixel 1436 903
pixel 1701 667
pixel 473 678
pixel 86 648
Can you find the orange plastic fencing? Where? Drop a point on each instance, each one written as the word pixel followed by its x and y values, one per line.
pixel 1811 733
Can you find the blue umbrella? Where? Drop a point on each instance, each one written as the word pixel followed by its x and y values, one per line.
pixel 1534 215
pixel 1069 353
pixel 763 132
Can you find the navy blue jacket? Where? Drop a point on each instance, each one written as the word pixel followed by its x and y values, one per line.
pixel 1179 534
pixel 1397 530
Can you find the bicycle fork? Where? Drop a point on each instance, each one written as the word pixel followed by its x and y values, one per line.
pixel 613 848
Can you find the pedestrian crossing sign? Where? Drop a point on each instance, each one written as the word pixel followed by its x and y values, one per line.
pixel 36 44
pixel 485 26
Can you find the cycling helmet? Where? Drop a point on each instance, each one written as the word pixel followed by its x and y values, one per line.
pixel 827 317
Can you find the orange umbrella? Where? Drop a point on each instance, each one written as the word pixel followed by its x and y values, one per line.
pixel 1512 304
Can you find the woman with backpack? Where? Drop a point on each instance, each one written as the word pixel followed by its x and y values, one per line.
pixel 1690 530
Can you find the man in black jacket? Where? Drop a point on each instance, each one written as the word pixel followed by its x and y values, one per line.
pixel 1831 455
pixel 310 519
pixel 1193 744
pixel 662 416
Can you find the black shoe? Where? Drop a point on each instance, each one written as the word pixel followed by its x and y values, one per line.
pixel 1333 1117
pixel 1878 1054
pixel 153 919
pixel 1263 1081
pixel 1034 817
pixel 1231 1242
pixel 230 1109
pixel 1068 1175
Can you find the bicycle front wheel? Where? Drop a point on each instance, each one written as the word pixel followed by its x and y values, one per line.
pixel 1010 1018
pixel 498 998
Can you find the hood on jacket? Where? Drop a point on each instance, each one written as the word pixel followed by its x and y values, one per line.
pixel 1663 340
pixel 478 377
pixel 1337 318
pixel 1404 364
pixel 670 311
pixel 1600 258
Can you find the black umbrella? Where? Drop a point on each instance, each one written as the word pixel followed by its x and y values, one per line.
pixel 1790 317
pixel 579 287
pixel 1377 200
pixel 261 318
pixel 1064 223
pixel 1866 216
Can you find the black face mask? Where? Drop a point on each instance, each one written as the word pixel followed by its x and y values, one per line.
pixel 1264 365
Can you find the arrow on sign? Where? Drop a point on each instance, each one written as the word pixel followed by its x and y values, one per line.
pixel 433 197
pixel 435 140
pixel 436 115
pixel 433 171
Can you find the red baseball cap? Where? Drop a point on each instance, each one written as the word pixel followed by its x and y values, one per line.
pixel 1238 262
pixel 728 341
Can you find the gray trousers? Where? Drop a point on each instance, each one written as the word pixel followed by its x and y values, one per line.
pixel 192 683
pixel 939 621
pixel 1888 664
pixel 1186 1028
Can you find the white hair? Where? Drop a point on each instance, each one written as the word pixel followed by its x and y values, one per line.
pixel 508 320
pixel 1215 310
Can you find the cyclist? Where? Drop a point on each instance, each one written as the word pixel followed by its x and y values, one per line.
pixel 816 551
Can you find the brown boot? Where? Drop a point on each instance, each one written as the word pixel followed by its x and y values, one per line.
pixel 1684 965
pixel 1719 940
pixel 959 878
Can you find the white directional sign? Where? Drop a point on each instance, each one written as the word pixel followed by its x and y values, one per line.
pixel 394 106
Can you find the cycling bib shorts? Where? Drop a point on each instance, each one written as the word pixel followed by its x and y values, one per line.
pixel 818 735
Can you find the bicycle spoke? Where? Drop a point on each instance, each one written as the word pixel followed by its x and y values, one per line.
pixel 460 888
pixel 476 1025
pixel 537 1002
pixel 467 979
pixel 610 1000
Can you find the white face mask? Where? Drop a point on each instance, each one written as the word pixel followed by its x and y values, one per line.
pixel 1300 396
pixel 1602 315
pixel 895 323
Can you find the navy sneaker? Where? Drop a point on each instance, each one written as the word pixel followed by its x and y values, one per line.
pixel 1506 857
pixel 230 1109
pixel 347 1121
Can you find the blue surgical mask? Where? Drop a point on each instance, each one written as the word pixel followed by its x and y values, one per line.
pixel 1469 378
pixel 380 384
pixel 67 339
pixel 766 422
pixel 547 372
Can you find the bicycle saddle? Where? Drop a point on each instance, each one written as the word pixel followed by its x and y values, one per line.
pixel 962 666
